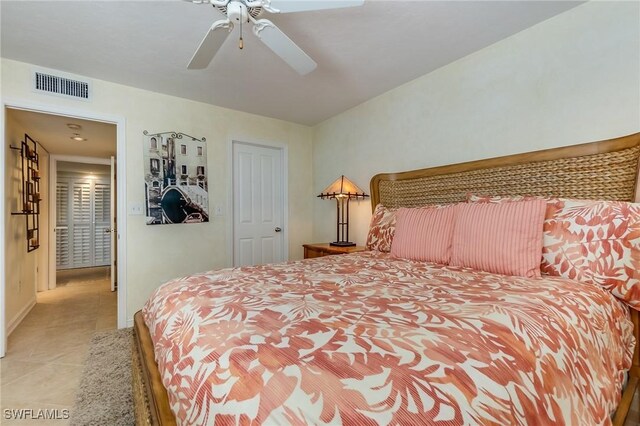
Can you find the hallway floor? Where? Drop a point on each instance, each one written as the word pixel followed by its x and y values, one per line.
pixel 46 353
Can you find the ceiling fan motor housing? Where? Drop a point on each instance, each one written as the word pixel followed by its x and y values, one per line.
pixel 237 12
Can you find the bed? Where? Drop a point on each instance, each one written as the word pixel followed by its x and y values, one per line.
pixel 422 340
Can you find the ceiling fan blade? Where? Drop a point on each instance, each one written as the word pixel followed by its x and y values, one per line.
pixel 210 44
pixel 288 6
pixel 282 46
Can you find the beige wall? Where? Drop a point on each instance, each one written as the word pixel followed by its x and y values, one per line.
pixel 189 248
pixel 574 78
pixel 25 272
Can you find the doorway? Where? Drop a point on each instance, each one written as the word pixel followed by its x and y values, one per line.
pixel 259 193
pixel 84 210
pixel 76 129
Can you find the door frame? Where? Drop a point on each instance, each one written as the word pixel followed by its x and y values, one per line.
pixel 53 174
pixel 120 123
pixel 284 157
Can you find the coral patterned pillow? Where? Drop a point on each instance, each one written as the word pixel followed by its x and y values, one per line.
pixel 591 241
pixel 424 234
pixel 381 229
pixel 595 241
pixel 502 238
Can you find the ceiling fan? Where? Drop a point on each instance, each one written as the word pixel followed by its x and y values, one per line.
pixel 247 11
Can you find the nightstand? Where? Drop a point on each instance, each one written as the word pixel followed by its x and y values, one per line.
pixel 324 249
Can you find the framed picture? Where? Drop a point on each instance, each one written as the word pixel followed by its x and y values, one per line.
pixel 176 186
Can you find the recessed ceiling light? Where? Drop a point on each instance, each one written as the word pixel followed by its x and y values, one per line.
pixel 77 137
pixel 74 126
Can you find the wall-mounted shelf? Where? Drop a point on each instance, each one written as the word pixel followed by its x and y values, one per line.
pixel 30 200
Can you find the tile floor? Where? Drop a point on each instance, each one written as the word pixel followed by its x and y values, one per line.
pixel 45 354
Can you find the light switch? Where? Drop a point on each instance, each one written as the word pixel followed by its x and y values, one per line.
pixel 136 209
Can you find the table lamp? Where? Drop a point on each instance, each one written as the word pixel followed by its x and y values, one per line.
pixel 343 190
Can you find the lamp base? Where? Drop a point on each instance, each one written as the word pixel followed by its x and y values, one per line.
pixel 342 244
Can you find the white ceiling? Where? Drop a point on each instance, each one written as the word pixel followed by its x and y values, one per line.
pixel 52 133
pixel 361 52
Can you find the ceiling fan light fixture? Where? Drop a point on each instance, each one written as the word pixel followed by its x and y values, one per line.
pixel 77 137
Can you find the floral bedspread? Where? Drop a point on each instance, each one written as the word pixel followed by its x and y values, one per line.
pixel 367 339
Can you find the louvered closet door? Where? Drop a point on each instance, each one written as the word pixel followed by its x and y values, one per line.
pixel 102 224
pixel 81 229
pixel 83 237
pixel 63 259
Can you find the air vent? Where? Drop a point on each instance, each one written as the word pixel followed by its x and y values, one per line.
pixel 59 85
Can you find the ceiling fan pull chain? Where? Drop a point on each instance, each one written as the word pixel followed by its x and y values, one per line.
pixel 241 41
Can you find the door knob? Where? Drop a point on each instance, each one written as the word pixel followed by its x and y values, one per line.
pixel 278 229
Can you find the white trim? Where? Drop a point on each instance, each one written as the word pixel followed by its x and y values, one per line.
pixel 121 217
pixel 15 321
pixel 53 175
pixel 120 123
pixel 3 148
pixel 46 272
pixel 284 149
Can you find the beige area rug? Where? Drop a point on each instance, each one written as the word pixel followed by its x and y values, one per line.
pixel 104 395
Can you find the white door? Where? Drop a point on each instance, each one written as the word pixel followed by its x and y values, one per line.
pixel 80 233
pixel 258 205
pixel 63 257
pixel 102 223
pixel 113 226
pixel 83 223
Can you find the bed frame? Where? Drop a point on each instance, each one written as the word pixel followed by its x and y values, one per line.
pixel 598 170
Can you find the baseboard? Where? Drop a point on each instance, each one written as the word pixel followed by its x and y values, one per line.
pixel 15 321
pixel 130 323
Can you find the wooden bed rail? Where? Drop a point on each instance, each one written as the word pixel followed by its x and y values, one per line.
pixel 152 404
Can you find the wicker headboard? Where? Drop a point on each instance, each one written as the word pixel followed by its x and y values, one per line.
pixel 605 170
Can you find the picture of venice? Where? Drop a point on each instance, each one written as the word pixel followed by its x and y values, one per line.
pixel 175 179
